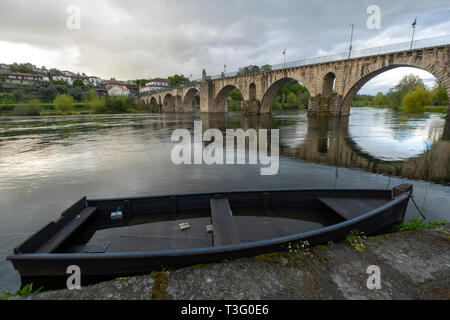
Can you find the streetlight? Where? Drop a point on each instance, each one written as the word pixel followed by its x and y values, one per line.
pixel 351 40
pixel 284 58
pixel 414 29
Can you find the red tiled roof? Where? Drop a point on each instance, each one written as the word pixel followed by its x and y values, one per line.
pixel 25 74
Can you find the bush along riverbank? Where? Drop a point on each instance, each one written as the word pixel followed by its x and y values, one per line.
pixel 65 105
pixel 411 264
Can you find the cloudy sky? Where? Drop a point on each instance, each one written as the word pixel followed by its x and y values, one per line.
pixel 145 38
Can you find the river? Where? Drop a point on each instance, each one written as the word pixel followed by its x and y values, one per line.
pixel 47 163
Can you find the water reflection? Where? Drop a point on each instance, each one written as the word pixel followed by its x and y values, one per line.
pixel 47 163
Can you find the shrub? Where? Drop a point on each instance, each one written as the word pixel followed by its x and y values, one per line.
pixel 32 109
pixel 63 103
pixel 416 100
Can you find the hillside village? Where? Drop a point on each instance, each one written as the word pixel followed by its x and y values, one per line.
pixel 22 82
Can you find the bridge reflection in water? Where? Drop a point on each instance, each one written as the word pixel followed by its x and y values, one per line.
pixel 328 141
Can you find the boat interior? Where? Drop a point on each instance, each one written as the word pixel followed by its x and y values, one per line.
pixel 197 221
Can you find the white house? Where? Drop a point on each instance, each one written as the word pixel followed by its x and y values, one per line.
pixel 154 84
pixel 119 91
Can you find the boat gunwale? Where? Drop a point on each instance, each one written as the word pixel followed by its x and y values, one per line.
pixel 208 250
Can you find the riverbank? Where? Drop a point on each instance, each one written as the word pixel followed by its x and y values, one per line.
pixel 435 109
pixel 412 264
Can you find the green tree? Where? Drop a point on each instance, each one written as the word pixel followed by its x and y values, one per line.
pixel 49 93
pixel 266 67
pixel 79 83
pixel 178 79
pixel 248 69
pixel 440 96
pixel 63 103
pixel 292 100
pixel 18 96
pixel 380 99
pixel 416 100
pixel 76 93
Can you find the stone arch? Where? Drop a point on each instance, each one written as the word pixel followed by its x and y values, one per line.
pixel 252 91
pixel 168 103
pixel 271 92
pixel 329 82
pixel 154 104
pixel 189 100
pixel 369 75
pixel 221 98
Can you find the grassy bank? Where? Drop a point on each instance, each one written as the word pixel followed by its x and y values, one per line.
pixel 48 109
pixel 436 109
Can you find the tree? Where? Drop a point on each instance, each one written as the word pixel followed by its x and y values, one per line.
pixel 266 67
pixel 407 84
pixel 248 69
pixel 178 79
pixel 18 96
pixel 63 102
pixel 380 99
pixel 440 97
pixel 48 93
pixel 416 100
pixel 79 83
pixel 292 100
pixel 76 93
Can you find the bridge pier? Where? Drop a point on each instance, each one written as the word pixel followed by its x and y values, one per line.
pixel 326 105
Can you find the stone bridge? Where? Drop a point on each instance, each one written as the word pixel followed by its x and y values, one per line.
pixel 331 84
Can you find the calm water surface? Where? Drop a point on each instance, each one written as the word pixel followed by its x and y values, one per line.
pixel 47 163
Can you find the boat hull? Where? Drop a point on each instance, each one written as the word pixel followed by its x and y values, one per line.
pixel 54 265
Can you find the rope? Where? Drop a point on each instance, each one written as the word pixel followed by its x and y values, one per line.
pixel 417 207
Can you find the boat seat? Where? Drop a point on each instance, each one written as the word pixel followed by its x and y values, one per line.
pixel 349 208
pixel 224 228
pixel 62 235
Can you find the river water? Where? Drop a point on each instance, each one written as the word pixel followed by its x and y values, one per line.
pixel 47 163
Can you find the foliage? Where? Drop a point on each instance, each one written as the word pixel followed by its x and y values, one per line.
pixel 266 67
pixel 178 79
pixel 18 96
pixel 356 240
pixel 31 109
pixel 23 68
pixel 63 103
pixel 76 93
pixel 300 249
pixel 416 100
pixel 25 291
pixel 440 96
pixel 380 99
pixel 417 224
pixel 248 69
pixel 48 93
pixel 79 83
pixel 291 96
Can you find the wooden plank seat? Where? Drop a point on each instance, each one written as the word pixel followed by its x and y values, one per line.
pixel 349 208
pixel 62 235
pixel 224 228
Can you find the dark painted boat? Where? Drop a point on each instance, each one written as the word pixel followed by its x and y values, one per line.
pixel 116 237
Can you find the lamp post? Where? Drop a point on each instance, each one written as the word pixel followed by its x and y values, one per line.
pixel 351 41
pixel 284 58
pixel 414 30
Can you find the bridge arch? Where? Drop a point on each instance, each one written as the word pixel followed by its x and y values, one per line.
pixel 373 72
pixel 329 82
pixel 189 100
pixel 154 103
pixel 252 91
pixel 168 103
pixel 271 92
pixel 221 98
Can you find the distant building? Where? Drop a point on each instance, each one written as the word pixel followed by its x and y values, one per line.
pixel 111 83
pixel 5 68
pixel 96 81
pixel 154 84
pixel 25 78
pixel 67 79
pixel 119 91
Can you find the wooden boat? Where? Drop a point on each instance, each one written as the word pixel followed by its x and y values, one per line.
pixel 117 237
